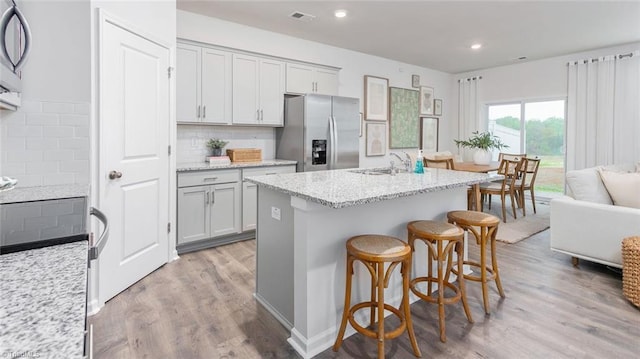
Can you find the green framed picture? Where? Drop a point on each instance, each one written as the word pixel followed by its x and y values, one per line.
pixel 404 116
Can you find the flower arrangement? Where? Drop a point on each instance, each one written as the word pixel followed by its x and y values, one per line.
pixel 482 140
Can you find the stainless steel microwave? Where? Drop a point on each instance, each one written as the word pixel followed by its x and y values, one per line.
pixel 15 42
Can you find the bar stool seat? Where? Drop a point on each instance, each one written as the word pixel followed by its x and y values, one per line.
pixel 484 227
pixel 448 238
pixel 374 251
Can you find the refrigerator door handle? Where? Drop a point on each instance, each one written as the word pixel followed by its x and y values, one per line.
pixel 335 141
pixel 331 144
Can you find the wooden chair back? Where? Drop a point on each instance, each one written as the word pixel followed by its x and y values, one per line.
pixel 446 163
pixel 529 171
pixel 510 169
pixel 511 156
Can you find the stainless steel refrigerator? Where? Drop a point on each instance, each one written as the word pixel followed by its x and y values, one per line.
pixel 320 132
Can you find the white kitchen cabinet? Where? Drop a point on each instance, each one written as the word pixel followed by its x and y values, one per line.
pixel 209 205
pixel 258 90
pixel 250 193
pixel 203 85
pixel 311 79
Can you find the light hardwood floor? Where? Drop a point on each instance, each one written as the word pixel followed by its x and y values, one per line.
pixel 201 306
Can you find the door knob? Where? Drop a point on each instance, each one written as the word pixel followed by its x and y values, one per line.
pixel 115 174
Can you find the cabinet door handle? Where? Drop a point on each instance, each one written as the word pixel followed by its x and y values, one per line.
pixel 315 87
pixel 270 173
pixel 261 115
pixel 206 201
pixel 210 178
pixel 258 115
pixel 204 111
pixel 213 196
pixel 198 111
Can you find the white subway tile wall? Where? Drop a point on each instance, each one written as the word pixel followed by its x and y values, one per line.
pixel 45 143
pixel 192 139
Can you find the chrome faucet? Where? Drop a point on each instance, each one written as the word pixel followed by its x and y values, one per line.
pixel 406 163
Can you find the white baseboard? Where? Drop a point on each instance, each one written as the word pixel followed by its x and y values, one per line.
pixel 273 312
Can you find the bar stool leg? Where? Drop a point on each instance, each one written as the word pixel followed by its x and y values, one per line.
pixel 347 303
pixel 483 268
pixel 494 262
pixel 374 286
pixel 380 286
pixel 460 279
pixel 441 289
pixel 406 274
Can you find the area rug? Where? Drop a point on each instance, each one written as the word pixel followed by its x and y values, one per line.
pixel 521 228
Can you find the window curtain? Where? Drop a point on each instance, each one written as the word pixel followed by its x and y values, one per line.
pixel 603 111
pixel 468 111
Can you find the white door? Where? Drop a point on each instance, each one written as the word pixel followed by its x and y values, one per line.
pixel 225 209
pixel 133 161
pixel 193 213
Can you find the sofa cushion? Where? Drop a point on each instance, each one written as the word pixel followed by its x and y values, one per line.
pixel 624 188
pixel 586 185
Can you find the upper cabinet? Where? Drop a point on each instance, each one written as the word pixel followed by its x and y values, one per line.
pixel 203 85
pixel 220 86
pixel 258 90
pixel 311 79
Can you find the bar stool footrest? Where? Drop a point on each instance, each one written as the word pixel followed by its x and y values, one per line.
pixel 374 334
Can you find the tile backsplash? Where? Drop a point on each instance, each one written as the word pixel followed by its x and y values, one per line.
pixel 192 139
pixel 45 143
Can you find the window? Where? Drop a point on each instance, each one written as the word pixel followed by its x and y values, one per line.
pixel 537 129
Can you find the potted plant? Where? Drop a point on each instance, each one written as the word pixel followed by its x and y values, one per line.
pixel 216 146
pixel 483 143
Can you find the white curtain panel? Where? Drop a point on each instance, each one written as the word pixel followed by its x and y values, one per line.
pixel 468 111
pixel 603 111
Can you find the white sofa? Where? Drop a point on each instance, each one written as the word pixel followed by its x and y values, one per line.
pixel 586 224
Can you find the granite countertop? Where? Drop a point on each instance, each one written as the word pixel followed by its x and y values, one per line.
pixel 201 166
pixel 42 302
pixel 345 188
pixel 28 194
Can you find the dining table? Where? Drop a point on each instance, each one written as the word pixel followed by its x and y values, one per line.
pixel 473 167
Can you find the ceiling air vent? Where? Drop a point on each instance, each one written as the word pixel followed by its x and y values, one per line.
pixel 297 15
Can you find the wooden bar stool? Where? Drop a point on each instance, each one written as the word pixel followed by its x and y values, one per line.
pixel 374 251
pixel 448 238
pixel 488 228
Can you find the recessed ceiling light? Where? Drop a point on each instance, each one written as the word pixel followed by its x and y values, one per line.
pixel 476 46
pixel 340 13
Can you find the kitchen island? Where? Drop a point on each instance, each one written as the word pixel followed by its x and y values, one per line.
pixel 304 220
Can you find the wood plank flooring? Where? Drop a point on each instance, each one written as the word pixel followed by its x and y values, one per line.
pixel 201 306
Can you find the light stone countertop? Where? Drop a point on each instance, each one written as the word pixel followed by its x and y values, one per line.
pixel 202 166
pixel 28 194
pixel 344 188
pixel 43 302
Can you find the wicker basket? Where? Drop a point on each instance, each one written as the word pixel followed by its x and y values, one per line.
pixel 631 269
pixel 245 155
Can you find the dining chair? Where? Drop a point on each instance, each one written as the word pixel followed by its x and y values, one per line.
pixel 510 170
pixel 446 163
pixel 511 156
pixel 526 180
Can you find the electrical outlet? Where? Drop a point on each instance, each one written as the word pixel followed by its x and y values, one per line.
pixel 275 213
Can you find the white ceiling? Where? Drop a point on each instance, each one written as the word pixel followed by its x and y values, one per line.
pixel 438 34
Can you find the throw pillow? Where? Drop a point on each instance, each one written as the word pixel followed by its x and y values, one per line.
pixel 586 185
pixel 624 188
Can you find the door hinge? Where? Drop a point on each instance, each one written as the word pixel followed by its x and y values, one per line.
pixel 169 150
pixel 169 69
pixel 169 227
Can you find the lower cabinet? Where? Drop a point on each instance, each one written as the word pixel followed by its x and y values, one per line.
pixel 218 206
pixel 209 211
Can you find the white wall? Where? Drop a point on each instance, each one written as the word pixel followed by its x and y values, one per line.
pixel 46 141
pixel 542 79
pixel 354 65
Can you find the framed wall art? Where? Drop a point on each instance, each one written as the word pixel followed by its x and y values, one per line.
pixel 426 100
pixel 376 139
pixel 429 134
pixel 403 118
pixel 437 107
pixel 376 98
